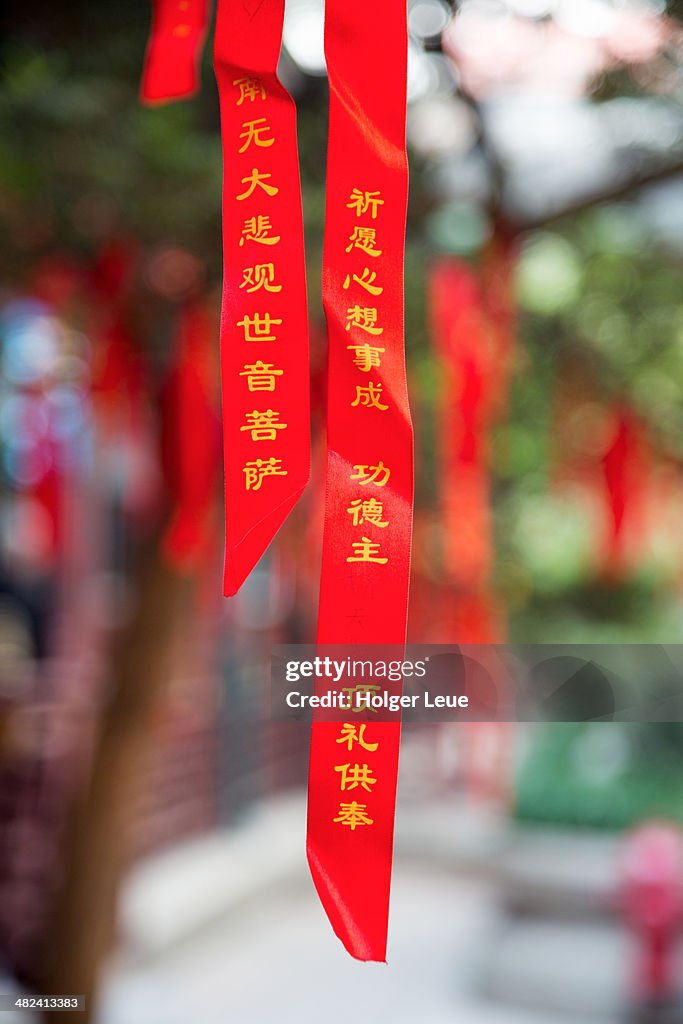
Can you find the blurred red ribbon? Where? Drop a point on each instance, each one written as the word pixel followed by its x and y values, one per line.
pixel 625 468
pixel 464 346
pixel 472 328
pixel 368 516
pixel 171 68
pixel 191 439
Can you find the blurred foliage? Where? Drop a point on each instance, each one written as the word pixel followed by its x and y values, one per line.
pixel 81 159
pixel 601 775
pixel 599 292
pixel 604 292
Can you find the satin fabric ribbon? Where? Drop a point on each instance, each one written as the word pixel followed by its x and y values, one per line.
pixel 264 322
pixel 368 515
pixel 171 68
pixel 264 366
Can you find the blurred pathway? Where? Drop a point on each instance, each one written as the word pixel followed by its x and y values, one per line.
pixel 227 927
pixel 275 960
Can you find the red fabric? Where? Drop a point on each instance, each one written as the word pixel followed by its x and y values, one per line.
pixel 119 382
pixel 191 440
pixel 472 324
pixel 171 69
pixel 46 490
pixel 363 601
pixel 115 266
pixel 266 324
pixel 625 468
pixel 119 379
pixel 463 341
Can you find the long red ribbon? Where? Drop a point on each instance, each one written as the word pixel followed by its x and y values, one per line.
pixel 264 324
pixel 171 68
pixel 464 342
pixel 368 518
pixel 625 470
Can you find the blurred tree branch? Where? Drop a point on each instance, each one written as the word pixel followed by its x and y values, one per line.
pixel 610 194
pixel 614 192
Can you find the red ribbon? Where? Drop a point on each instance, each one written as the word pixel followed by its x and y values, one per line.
pixel 191 440
pixel 171 69
pixel 463 341
pixel 624 466
pixel 368 517
pixel 46 529
pixel 472 322
pixel 264 325
pixel 120 379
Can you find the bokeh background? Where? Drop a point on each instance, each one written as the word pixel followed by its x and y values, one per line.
pixel 151 811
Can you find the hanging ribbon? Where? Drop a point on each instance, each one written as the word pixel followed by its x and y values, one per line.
pixel 191 441
pixel 368 516
pixel 171 69
pixel 463 342
pixel 472 317
pixel 121 383
pixel 625 470
pixel 264 325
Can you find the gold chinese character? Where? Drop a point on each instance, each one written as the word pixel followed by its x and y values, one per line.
pixel 257 178
pixel 358 705
pixel 364 201
pixel 366 550
pixel 256 229
pixel 370 511
pixel 351 734
pixel 250 89
pixel 353 776
pixel 254 131
pixel 369 396
pixel 263 426
pixel 261 326
pixel 366 357
pixel 260 376
pixel 365 280
pixel 182 31
pixel 371 474
pixel 353 814
pixel 260 276
pixel 364 238
pixel 364 317
pixel 257 469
